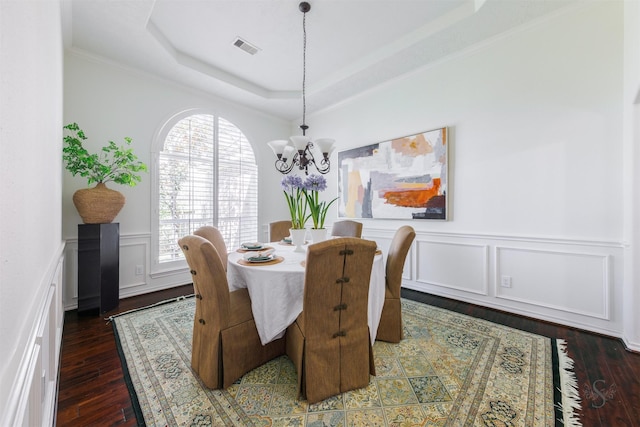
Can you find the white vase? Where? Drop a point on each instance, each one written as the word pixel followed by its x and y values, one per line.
pixel 318 234
pixel 297 238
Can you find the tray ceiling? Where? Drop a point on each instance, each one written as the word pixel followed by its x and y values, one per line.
pixel 352 45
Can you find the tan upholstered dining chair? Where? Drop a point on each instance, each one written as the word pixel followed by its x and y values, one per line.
pixel 213 235
pixel 390 327
pixel 347 228
pixel 278 230
pixel 225 343
pixel 329 343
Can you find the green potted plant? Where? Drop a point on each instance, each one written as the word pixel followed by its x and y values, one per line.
pixel 115 163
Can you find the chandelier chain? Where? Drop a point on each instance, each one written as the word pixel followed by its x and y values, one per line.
pixel 302 152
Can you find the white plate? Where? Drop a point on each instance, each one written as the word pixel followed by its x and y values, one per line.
pixel 266 259
pixel 252 246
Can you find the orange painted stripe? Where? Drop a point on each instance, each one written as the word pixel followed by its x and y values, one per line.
pixel 412 197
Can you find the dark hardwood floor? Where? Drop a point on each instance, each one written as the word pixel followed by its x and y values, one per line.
pixel 92 391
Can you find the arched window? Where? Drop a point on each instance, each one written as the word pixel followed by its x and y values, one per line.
pixel 206 175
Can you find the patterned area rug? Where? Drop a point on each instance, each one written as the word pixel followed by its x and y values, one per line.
pixel 450 370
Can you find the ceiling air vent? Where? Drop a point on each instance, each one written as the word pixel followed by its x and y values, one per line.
pixel 245 45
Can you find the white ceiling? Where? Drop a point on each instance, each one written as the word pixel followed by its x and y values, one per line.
pixel 352 45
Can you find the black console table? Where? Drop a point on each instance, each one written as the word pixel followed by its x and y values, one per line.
pixel 98 267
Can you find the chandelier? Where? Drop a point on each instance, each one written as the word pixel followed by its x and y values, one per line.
pixel 299 150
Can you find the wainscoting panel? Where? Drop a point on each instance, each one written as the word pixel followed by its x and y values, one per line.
pixel 133 264
pixel 574 282
pixel 407 273
pixel 569 281
pixel 460 266
pixel 71 274
pixel 33 397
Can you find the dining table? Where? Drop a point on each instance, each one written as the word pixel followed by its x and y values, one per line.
pixel 276 288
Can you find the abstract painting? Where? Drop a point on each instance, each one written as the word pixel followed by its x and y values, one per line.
pixel 404 178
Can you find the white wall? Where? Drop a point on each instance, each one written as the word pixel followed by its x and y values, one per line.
pixel 535 120
pixel 30 212
pixel 536 184
pixel 632 174
pixel 110 102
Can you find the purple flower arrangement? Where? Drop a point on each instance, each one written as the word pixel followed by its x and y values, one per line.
pixel 313 185
pixel 302 195
pixel 294 192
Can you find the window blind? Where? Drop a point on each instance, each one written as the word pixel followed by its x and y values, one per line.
pixel 208 176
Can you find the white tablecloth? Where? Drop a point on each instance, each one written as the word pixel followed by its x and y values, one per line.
pixel 277 290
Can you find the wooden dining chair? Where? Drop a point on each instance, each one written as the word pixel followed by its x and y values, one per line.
pixel 347 228
pixel 225 342
pixel 278 230
pixel 329 343
pixel 213 235
pixel 390 326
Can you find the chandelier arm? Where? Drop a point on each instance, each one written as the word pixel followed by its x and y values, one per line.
pixel 322 166
pixel 325 165
pixel 283 167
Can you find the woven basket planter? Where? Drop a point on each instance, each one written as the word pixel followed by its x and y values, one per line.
pixel 98 205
